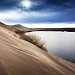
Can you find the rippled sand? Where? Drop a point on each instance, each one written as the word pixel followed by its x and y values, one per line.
pixel 18 57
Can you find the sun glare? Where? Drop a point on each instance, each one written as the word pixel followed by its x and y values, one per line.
pixel 27 4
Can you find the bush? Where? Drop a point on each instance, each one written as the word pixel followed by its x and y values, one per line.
pixel 19 32
pixel 34 40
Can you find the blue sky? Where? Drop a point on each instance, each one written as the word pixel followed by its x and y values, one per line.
pixel 37 11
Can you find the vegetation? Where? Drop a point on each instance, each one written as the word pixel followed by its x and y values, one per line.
pixel 36 40
pixel 19 32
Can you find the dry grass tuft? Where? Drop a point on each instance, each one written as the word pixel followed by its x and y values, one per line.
pixel 19 32
pixel 34 39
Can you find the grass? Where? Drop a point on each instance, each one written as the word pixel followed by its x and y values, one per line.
pixel 34 39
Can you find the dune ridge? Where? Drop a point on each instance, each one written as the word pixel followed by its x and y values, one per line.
pixel 19 57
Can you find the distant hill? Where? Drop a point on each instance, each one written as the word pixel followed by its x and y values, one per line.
pixel 21 28
pixel 54 29
pixel 15 27
pixel 7 27
pixel 26 29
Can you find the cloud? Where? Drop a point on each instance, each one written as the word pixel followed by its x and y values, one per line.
pixel 10 15
pixel 54 5
pixel 8 4
pixel 20 16
pixel 41 11
pixel 38 5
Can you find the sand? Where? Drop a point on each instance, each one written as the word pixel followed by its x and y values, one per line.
pixel 19 57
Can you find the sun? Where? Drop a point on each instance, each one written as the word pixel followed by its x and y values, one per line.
pixel 26 3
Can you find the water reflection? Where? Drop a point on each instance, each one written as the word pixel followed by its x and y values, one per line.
pixel 61 44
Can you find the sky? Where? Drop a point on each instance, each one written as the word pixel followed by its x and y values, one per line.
pixel 37 11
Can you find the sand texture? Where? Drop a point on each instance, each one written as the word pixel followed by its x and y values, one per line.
pixel 19 57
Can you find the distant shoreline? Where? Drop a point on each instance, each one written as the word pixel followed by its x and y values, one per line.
pixel 54 29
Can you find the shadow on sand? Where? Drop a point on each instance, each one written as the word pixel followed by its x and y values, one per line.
pixel 2 70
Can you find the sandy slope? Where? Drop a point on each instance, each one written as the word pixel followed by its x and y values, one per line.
pixel 18 57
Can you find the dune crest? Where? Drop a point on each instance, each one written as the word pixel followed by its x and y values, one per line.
pixel 19 57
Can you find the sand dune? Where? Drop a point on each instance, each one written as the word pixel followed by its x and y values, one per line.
pixel 19 57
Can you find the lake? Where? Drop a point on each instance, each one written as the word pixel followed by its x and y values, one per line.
pixel 60 44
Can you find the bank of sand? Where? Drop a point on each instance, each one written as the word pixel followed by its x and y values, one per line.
pixel 18 57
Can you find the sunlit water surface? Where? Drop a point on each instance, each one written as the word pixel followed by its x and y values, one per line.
pixel 61 44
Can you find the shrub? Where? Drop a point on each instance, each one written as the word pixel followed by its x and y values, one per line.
pixel 19 32
pixel 34 40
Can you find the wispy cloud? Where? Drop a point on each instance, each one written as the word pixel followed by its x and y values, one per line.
pixel 14 15
pixel 38 11
pixel 18 15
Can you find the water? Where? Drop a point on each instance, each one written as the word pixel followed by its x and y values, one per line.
pixel 61 44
